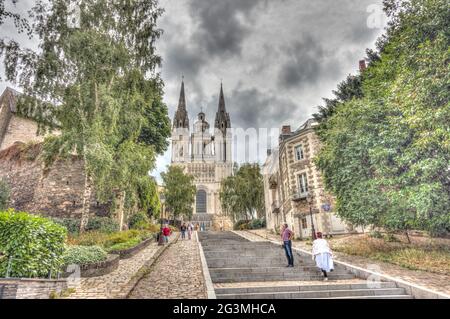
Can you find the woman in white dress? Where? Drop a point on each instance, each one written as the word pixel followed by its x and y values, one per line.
pixel 322 255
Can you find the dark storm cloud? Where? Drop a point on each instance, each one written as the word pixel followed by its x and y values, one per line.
pixel 223 24
pixel 304 64
pixel 253 108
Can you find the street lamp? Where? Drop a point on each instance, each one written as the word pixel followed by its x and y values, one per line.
pixel 161 235
pixel 309 199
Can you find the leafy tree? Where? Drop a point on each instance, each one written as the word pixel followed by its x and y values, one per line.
pixel 20 23
pixel 96 82
pixel 149 196
pixel 179 191
pixel 386 155
pixel 242 195
pixel 4 195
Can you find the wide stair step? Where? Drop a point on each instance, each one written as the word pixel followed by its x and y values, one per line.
pixel 258 268
pixel 347 291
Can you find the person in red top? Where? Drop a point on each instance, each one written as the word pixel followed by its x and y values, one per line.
pixel 166 233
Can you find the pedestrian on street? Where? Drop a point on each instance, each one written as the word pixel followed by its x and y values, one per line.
pixel 190 228
pixel 183 231
pixel 322 255
pixel 166 233
pixel 286 237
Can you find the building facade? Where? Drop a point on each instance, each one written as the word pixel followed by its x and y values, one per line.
pixel 293 186
pixel 204 155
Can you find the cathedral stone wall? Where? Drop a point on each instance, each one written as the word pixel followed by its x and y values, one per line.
pixel 57 192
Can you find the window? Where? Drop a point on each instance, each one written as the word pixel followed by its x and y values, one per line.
pixel 201 202
pixel 304 223
pixel 299 153
pixel 303 183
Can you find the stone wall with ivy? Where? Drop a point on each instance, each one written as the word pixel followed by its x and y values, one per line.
pixel 57 192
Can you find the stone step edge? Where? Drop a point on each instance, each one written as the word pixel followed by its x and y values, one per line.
pixel 309 291
pixel 417 291
pixel 299 288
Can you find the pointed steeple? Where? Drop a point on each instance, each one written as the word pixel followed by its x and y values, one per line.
pixel 181 119
pixel 222 121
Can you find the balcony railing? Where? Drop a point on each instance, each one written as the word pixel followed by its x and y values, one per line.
pixel 297 196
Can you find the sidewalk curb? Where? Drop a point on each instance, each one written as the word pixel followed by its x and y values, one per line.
pixel 206 275
pixel 145 269
pixel 417 291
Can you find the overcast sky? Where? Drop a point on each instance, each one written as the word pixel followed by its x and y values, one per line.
pixel 277 59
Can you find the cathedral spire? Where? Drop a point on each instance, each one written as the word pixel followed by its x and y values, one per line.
pixel 181 119
pixel 222 121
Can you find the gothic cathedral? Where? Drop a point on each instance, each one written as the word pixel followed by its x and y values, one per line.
pixel 205 156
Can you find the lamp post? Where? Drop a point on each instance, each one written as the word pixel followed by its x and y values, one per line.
pixel 161 235
pixel 309 199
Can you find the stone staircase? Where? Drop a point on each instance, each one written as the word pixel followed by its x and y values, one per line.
pixel 242 269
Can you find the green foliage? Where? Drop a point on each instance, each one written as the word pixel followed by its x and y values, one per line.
pixel 96 223
pixel 102 224
pixel 386 154
pixel 139 220
pixel 241 225
pixel 4 195
pixel 82 255
pixel 149 196
pixel 34 245
pixel 98 83
pixel 110 241
pixel 179 191
pixel 242 195
pixel 256 223
pixel 126 240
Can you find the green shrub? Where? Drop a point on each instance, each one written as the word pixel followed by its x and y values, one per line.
pixel 95 223
pixel 4 194
pixel 376 234
pixel 34 243
pixel 102 224
pixel 72 224
pixel 125 245
pixel 240 225
pixel 139 220
pixel 90 238
pixel 82 255
pixel 257 223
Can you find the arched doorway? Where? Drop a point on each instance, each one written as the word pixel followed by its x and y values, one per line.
pixel 200 202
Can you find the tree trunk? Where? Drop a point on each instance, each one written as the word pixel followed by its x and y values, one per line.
pixel 407 236
pixel 119 211
pixel 86 199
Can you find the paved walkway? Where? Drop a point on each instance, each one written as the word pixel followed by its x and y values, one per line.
pixel 177 274
pixel 433 281
pixel 117 284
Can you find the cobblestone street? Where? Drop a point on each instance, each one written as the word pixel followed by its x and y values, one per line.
pixel 429 280
pixel 118 283
pixel 176 274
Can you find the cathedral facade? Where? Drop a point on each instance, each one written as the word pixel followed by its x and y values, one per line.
pixel 203 154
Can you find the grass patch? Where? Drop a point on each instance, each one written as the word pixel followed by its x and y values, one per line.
pixel 422 254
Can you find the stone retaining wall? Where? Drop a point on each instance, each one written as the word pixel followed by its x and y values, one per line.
pixel 57 192
pixel 98 269
pixel 31 288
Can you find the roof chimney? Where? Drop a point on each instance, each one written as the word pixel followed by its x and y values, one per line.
pixel 286 130
pixel 362 65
